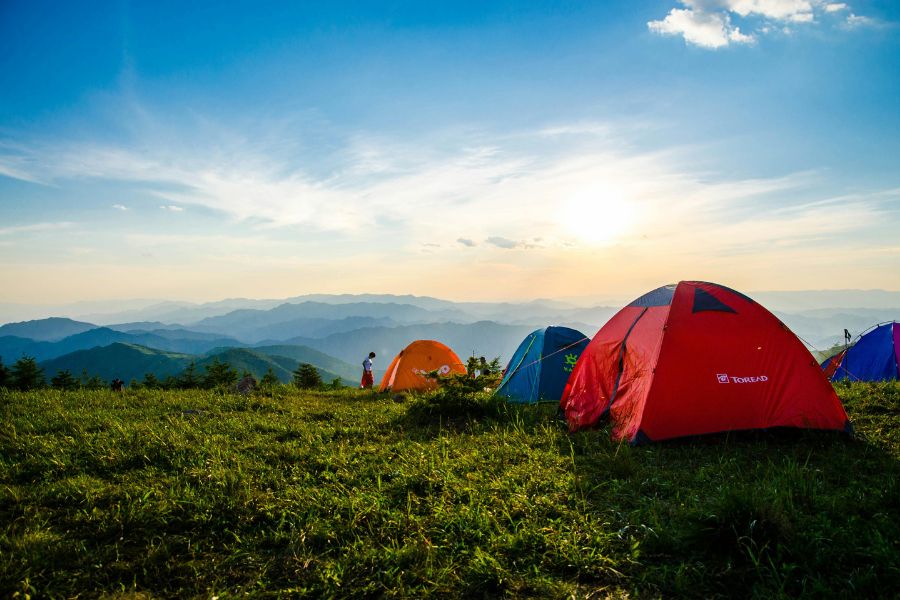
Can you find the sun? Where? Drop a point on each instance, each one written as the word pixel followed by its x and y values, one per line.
pixel 598 215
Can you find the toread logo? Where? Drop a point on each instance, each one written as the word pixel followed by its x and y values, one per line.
pixel 724 378
pixel 442 370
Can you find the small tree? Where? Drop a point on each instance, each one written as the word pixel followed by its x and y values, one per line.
pixel 188 378
pixel 336 383
pixel 26 374
pixel 307 376
pixel 5 379
pixel 94 383
pixel 495 366
pixel 134 384
pixel 270 379
pixel 150 381
pixel 471 366
pixel 63 380
pixel 219 374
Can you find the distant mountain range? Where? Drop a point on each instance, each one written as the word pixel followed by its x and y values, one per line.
pixel 45 330
pixel 130 361
pixel 184 313
pixel 190 342
pixel 334 333
pixel 484 338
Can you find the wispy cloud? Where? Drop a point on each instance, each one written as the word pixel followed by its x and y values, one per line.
pixel 17 162
pixel 856 21
pixel 36 227
pixel 121 207
pixel 503 190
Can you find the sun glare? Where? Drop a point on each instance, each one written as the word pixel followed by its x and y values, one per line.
pixel 598 216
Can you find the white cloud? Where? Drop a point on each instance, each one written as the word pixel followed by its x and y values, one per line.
pixel 119 207
pixel 707 30
pixel 172 208
pixel 798 11
pixel 709 23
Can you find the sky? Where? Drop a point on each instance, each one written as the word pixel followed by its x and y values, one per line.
pixel 501 150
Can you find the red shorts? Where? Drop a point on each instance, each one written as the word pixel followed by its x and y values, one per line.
pixel 367 380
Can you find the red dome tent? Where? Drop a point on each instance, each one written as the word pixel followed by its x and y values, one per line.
pixel 698 358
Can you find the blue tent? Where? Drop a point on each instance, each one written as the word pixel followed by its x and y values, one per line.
pixel 540 367
pixel 873 357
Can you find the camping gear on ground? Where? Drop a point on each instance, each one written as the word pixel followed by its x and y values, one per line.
pixel 246 385
pixel 874 356
pixel 409 370
pixel 696 358
pixel 540 367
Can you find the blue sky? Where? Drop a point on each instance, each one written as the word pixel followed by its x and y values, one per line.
pixel 465 150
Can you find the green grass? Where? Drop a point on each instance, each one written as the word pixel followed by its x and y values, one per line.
pixel 346 494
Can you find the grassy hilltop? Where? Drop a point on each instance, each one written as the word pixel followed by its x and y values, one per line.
pixel 345 494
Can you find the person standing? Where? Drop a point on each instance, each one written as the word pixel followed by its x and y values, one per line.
pixel 367 378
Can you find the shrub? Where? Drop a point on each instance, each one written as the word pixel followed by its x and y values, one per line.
pixel 270 379
pixel 307 377
pixel 219 375
pixel 5 379
pixel 150 381
pixel 453 402
pixel 64 380
pixel 26 374
pixel 91 382
pixel 188 378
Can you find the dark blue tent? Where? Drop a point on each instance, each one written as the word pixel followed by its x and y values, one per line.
pixel 873 357
pixel 540 367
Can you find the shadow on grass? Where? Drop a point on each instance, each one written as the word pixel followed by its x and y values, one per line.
pixel 458 411
pixel 761 513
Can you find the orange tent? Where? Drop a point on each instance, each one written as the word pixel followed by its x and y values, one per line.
pixel 409 369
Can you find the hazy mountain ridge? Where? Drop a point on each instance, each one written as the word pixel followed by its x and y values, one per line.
pixel 51 329
pixel 346 327
pixel 11 348
pixel 483 338
pixel 822 328
pixel 304 354
pixel 245 319
pixel 148 327
pixel 291 320
pixel 178 312
pixel 806 300
pixel 132 361
pixel 125 361
pixel 257 363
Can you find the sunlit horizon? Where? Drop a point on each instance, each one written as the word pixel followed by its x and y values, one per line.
pixel 480 153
